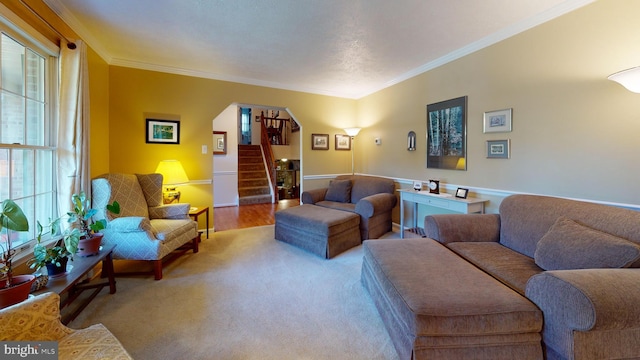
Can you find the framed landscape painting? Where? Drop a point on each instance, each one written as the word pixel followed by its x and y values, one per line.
pixel 447 134
pixel 163 132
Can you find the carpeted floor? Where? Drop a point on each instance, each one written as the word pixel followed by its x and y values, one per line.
pixel 246 296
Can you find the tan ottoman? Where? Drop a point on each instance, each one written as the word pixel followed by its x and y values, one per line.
pixel 322 231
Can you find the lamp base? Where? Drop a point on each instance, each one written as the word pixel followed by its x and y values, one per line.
pixel 170 196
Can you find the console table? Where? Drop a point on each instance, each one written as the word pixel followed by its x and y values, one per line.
pixel 466 206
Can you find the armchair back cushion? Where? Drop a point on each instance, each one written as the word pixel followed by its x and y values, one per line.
pixel 151 185
pixel 339 191
pixel 123 188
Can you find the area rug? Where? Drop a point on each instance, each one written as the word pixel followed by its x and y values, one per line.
pixel 246 296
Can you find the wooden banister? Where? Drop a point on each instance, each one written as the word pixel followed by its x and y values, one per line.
pixel 269 157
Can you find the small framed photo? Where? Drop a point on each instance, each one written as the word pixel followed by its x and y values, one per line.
pixel 343 142
pixel 319 141
pixel 461 193
pixel 163 132
pixel 219 142
pixel 498 149
pixel 497 121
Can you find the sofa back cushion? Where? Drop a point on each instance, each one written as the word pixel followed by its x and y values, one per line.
pixel 570 245
pixel 363 186
pixel 339 191
pixel 525 219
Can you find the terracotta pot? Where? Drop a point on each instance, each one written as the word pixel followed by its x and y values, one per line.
pixel 91 245
pixel 54 270
pixel 18 292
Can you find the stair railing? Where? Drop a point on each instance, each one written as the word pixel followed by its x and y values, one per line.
pixel 269 157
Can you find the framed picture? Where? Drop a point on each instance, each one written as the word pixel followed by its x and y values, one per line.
pixel 462 193
pixel 498 149
pixel 319 141
pixel 447 134
pixel 163 132
pixel 219 142
pixel 343 142
pixel 497 121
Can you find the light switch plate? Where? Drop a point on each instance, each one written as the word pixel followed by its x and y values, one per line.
pixel 204 149
pixel 378 141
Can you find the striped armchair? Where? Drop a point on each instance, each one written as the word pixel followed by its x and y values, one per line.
pixel 38 319
pixel 145 229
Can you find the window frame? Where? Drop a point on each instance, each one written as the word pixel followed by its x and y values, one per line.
pixel 18 30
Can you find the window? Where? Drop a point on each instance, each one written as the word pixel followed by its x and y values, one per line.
pixel 27 146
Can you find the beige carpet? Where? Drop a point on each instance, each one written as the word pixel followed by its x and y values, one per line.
pixel 246 296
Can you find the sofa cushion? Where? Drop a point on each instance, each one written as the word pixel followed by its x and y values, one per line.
pixel 339 191
pixel 570 245
pixel 511 268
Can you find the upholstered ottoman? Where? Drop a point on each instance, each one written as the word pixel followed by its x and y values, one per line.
pixel 322 231
pixel 436 305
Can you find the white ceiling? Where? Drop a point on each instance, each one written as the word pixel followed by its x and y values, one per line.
pixel 346 48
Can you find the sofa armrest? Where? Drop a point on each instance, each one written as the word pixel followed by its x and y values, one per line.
pixel 584 300
pixel 170 211
pixel 448 228
pixel 313 196
pixel 376 204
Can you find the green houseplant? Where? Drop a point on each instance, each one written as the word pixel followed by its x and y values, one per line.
pixel 81 237
pixel 15 288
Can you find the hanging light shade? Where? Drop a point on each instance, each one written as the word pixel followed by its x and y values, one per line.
pixel 629 78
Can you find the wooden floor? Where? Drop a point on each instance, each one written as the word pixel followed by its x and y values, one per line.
pixel 244 216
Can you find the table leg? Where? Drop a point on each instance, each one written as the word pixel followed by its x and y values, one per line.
pixel 401 217
pixel 107 266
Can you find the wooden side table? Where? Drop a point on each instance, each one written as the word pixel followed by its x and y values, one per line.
pixel 194 212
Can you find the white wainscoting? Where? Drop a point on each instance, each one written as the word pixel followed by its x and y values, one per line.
pixel 225 188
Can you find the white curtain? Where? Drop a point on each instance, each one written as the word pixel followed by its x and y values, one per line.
pixel 73 129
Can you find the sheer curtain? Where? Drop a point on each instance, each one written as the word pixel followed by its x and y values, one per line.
pixel 73 129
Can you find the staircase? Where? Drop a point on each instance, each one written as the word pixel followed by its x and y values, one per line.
pixel 253 183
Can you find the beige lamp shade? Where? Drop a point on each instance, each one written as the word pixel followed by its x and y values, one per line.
pixel 629 78
pixel 172 172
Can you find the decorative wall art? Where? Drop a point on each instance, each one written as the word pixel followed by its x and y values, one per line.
pixel 163 132
pixel 498 149
pixel 219 142
pixel 319 141
pixel 343 142
pixel 447 134
pixel 497 121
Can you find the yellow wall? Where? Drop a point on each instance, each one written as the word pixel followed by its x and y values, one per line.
pixel 134 93
pixel 574 132
pixel 99 113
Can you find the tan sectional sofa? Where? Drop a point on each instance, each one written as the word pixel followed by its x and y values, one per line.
pixel 545 278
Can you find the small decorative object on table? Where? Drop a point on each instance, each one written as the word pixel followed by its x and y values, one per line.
pixel 461 193
pixel 434 186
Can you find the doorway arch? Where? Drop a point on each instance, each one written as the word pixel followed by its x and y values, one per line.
pixel 225 166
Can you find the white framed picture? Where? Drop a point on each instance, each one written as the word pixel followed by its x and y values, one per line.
pixel 497 121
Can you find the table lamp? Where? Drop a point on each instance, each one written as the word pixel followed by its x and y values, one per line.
pixel 172 175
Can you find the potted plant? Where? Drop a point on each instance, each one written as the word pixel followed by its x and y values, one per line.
pixel 82 216
pixel 14 289
pixel 55 257
pixel 77 238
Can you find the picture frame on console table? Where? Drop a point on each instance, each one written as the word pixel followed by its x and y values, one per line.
pixel 462 193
